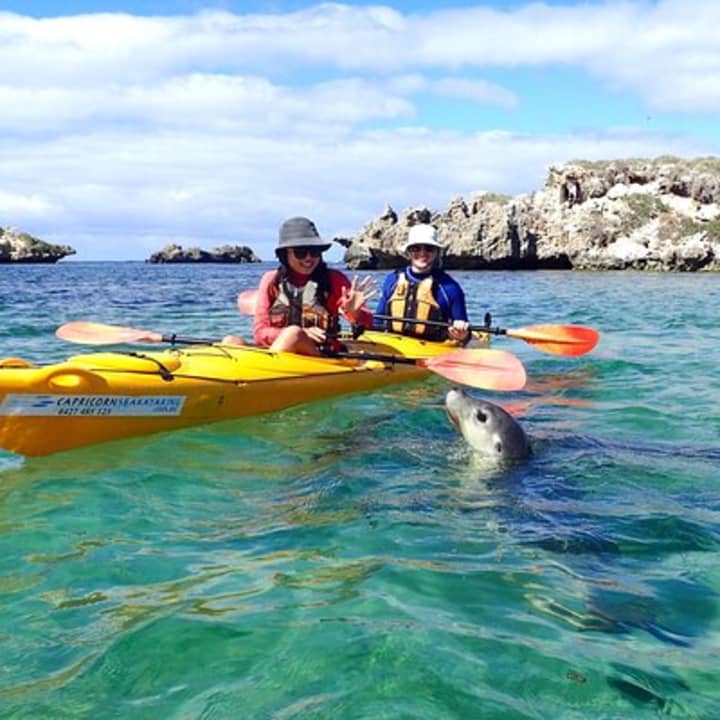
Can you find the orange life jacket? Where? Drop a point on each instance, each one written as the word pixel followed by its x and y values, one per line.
pixel 416 301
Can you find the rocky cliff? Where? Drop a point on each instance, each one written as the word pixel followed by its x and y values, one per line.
pixel 659 214
pixel 19 247
pixel 222 254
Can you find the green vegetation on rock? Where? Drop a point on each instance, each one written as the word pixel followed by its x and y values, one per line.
pixel 21 247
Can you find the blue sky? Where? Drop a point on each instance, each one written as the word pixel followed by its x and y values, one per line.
pixel 129 125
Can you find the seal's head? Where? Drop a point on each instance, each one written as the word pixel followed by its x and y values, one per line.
pixel 487 428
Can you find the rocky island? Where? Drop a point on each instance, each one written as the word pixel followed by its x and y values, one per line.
pixel 223 254
pixel 19 247
pixel 661 214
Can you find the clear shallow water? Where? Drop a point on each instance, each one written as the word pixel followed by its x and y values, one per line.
pixel 349 559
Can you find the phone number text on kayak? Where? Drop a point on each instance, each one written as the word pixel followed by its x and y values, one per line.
pixel 93 405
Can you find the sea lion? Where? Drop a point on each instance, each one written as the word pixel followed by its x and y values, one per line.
pixel 487 428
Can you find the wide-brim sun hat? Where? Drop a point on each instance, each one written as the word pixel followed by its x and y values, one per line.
pixel 422 235
pixel 300 232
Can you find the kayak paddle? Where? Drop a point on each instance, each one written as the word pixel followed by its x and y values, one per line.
pixel 570 340
pixel 475 367
pixel 246 301
pixel 480 368
pixel 92 333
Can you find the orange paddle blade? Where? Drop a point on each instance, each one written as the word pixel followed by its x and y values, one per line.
pixel 570 340
pixel 486 369
pixel 246 301
pixel 91 333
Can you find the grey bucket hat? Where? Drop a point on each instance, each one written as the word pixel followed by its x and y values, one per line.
pixel 300 232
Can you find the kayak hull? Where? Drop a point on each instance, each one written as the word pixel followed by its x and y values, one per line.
pixel 98 397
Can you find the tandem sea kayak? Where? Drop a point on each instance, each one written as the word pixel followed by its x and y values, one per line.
pixel 97 397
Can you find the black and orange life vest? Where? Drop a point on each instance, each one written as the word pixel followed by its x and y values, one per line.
pixel 416 301
pixel 303 306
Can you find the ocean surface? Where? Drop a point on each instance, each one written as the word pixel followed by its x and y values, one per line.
pixel 351 559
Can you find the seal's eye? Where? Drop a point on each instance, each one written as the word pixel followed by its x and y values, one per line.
pixel 498 447
pixel 481 416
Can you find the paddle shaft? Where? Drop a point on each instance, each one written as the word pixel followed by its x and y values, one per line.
pixel 379 357
pixel 488 369
pixel 567 340
pixel 439 323
pixel 174 339
pixel 360 355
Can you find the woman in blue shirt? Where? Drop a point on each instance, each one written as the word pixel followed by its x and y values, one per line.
pixel 422 291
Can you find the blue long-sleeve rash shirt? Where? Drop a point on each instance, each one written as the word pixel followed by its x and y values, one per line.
pixel 450 295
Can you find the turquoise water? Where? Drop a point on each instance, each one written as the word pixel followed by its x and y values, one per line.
pixel 350 559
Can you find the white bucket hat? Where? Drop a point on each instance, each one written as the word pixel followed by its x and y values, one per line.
pixel 422 235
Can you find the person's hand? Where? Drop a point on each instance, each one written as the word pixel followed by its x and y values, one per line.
pixel 316 334
pixel 355 296
pixel 459 330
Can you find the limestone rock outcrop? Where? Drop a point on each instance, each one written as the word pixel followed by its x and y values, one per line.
pixel 19 247
pixel 223 254
pixel 661 214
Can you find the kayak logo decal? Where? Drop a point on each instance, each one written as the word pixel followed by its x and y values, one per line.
pixel 93 405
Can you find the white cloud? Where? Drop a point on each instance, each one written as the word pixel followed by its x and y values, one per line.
pixel 31 205
pixel 123 196
pixel 121 133
pixel 243 104
pixel 477 90
pixel 629 44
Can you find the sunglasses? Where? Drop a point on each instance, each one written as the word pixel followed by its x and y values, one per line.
pixel 422 248
pixel 303 251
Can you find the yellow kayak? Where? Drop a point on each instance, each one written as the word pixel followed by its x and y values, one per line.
pixel 96 397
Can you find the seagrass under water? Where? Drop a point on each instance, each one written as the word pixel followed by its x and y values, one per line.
pixel 350 559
